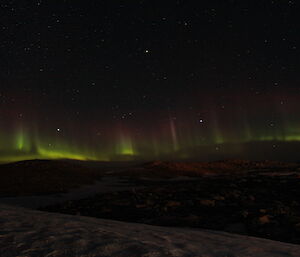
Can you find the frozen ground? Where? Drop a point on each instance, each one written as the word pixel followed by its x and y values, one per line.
pixel 28 233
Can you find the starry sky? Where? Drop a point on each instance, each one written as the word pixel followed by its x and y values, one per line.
pixel 141 80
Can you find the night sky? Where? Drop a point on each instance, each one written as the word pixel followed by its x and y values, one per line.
pixel 143 80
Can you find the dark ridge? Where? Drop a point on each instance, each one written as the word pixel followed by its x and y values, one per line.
pixel 34 177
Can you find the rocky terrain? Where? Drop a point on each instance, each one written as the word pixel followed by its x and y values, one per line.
pixel 261 203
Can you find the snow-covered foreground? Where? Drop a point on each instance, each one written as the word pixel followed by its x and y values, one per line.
pixel 25 232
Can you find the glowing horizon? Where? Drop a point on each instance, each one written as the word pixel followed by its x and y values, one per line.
pixel 23 145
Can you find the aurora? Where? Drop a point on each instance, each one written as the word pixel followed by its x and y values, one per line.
pixel 173 81
pixel 169 140
pixel 225 132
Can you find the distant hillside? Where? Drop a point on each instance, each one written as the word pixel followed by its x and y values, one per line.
pixel 56 176
pixel 44 177
pixel 169 169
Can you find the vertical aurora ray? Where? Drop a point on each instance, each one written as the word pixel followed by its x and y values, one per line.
pixel 247 135
pixel 22 142
pixel 173 132
pixel 124 145
pixel 217 136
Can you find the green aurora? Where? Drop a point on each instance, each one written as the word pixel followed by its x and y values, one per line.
pixel 22 144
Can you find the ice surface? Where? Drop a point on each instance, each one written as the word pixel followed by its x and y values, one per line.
pixel 25 232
